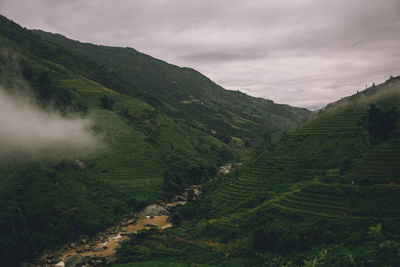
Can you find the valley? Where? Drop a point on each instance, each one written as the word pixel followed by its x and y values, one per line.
pixel 280 185
pixel 101 248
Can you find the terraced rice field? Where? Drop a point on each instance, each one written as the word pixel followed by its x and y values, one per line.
pixel 382 164
pixel 132 165
pixel 256 182
pixel 134 168
pixel 313 204
pixel 343 123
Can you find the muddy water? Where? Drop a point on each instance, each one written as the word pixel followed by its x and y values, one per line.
pixel 107 248
pixel 105 244
pixel 102 248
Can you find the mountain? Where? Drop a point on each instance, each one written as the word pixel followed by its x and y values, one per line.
pixel 325 194
pixel 161 130
pixel 229 115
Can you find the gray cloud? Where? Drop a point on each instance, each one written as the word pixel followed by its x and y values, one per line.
pixel 209 57
pixel 29 131
pixel 295 52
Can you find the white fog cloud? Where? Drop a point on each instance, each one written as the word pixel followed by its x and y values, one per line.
pixel 25 129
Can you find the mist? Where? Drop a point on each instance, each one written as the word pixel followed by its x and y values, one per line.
pixel 27 130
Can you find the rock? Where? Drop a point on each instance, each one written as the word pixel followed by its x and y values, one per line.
pixel 180 198
pixel 80 163
pixel 74 260
pixel 125 234
pixel 97 260
pixel 152 225
pixel 97 249
pixel 88 257
pixel 131 221
pixel 155 210
pixel 44 257
pixel 123 229
pixel 60 264
pixel 86 247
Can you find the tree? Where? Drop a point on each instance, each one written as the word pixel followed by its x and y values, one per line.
pixel 44 87
pixel 265 140
pixel 106 102
pixel 380 123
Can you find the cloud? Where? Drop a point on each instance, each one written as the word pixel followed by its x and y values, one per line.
pixel 27 130
pixel 218 57
pixel 318 49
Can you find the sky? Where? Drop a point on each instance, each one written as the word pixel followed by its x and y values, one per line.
pixel 304 53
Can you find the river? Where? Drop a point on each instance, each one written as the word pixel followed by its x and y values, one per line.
pixel 102 248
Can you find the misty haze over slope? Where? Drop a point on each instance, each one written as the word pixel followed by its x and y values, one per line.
pixel 27 129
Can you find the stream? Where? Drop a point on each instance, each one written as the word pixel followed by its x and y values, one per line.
pixel 102 248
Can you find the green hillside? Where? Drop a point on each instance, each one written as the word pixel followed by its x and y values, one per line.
pixel 326 194
pixel 154 142
pixel 227 114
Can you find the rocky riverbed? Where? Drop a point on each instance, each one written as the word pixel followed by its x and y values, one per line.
pixel 101 249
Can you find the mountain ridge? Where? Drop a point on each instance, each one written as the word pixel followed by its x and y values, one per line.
pixel 153 149
pixel 199 98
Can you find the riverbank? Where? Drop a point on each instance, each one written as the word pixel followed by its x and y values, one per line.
pixel 102 248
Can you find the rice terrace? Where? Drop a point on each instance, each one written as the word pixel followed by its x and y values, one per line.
pixel 199 133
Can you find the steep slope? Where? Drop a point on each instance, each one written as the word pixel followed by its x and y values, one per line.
pixel 227 114
pixel 326 194
pixel 48 199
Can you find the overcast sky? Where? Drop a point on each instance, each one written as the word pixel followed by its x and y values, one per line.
pixel 300 52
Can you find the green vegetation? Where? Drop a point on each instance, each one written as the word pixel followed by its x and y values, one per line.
pixel 326 194
pixel 157 138
pixel 185 93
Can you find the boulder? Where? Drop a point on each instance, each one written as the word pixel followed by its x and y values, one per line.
pixel 152 225
pixel 155 210
pixel 180 198
pixel 44 257
pixel 74 260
